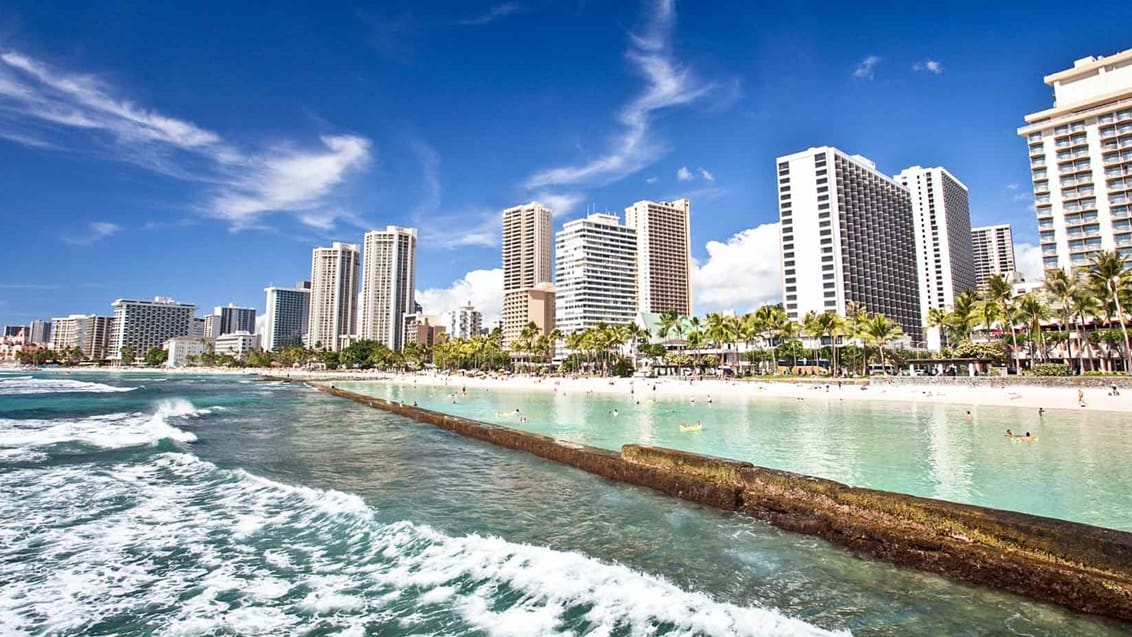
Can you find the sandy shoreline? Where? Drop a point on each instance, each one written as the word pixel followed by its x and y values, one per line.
pixel 1024 396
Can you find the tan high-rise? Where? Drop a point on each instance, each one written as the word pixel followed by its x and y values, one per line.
pixel 389 267
pixel 664 255
pixel 334 295
pixel 527 248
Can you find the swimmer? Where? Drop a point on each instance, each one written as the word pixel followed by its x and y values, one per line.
pixel 709 399
pixel 1009 434
pixel 613 413
pixel 968 414
pixel 1041 411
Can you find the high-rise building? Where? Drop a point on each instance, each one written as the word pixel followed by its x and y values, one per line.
pixel 993 247
pixel 533 305
pixel 39 332
pixel 388 277
pixel 847 237
pixel 465 322
pixel 527 264
pixel 941 218
pixel 148 324
pixel 88 332
pixel 1081 161
pixel 333 318
pixel 197 329
pixel 595 273
pixel 211 325
pixel 15 331
pixel 286 316
pixel 231 319
pixel 664 255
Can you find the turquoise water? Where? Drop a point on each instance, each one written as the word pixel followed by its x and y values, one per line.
pixel 1079 468
pixel 198 505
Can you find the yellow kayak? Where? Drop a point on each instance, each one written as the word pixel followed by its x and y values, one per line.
pixel 691 428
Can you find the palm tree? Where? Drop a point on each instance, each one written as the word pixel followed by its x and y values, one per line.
pixel 964 313
pixel 832 325
pixel 788 331
pixel 670 321
pixel 1032 312
pixel 694 340
pixel 940 319
pixel 855 316
pixel 880 330
pixel 1083 306
pixel 1110 276
pixel 1058 286
pixel 1000 294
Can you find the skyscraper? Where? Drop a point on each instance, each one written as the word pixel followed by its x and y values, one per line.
pixel 147 324
pixel 993 247
pixel 1081 161
pixel 527 264
pixel 40 332
pixel 334 295
pixel 847 236
pixel 388 279
pixel 231 319
pixel 286 315
pixel 664 255
pixel 88 332
pixel 942 223
pixel 595 273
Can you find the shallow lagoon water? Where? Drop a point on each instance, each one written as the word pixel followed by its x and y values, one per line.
pixel 1078 468
pixel 205 505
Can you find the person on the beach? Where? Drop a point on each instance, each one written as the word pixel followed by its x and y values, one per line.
pixel 1009 434
pixel 1081 397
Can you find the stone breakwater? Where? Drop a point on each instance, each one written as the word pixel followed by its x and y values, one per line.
pixel 1085 568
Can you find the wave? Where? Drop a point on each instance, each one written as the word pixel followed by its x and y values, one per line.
pixel 21 385
pixel 112 431
pixel 193 548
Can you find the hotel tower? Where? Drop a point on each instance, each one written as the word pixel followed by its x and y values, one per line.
pixel 528 294
pixel 333 315
pixel 1081 161
pixel 664 255
pixel 388 276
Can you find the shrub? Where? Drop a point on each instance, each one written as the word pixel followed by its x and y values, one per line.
pixel 1048 369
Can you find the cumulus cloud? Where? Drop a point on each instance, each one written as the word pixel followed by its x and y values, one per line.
pixel 684 174
pixel 57 109
pixel 668 83
pixel 482 288
pixel 741 274
pixel 96 231
pixel 928 66
pixel 864 70
pixel 1028 261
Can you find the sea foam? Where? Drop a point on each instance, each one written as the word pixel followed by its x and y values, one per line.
pixel 26 385
pixel 228 551
pixel 111 431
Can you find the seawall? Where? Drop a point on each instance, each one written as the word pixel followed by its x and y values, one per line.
pixel 1082 567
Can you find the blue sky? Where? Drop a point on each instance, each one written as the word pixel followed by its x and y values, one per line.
pixel 200 151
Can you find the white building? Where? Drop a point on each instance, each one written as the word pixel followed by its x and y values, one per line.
pixel 993 247
pixel 236 344
pixel 1081 161
pixel 388 279
pixel 198 327
pixel 88 332
pixel 464 322
pixel 847 237
pixel 286 316
pixel 527 265
pixel 181 348
pixel 595 272
pixel 664 255
pixel 333 318
pixel 148 324
pixel 211 327
pixel 942 222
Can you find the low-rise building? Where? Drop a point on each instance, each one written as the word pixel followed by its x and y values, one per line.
pixel 183 349
pixel 237 344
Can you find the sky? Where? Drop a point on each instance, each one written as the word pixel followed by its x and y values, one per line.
pixel 202 150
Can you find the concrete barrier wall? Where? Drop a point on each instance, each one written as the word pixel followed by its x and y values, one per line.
pixel 1085 568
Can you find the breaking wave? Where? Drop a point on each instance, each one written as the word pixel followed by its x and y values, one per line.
pixel 112 431
pixel 27 385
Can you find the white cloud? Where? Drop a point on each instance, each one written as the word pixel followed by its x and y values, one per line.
pixel 684 174
pixel 482 288
pixel 480 227
pixel 706 175
pixel 57 105
pixel 1028 261
pixel 651 180
pixel 492 14
pixel 864 70
pixel 1013 186
pixel 96 231
pixel 668 84
pixel 929 66
pixel 741 274
pixel 560 203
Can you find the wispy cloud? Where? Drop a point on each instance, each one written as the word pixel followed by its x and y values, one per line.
pixel 560 203
pixel 706 175
pixel 683 174
pixel 96 231
pixel 929 66
pixel 492 14
pixel 864 70
pixel 478 228
pixel 668 83
pixel 651 180
pixel 28 286
pixel 70 109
